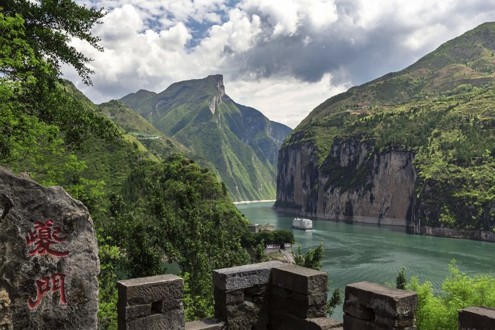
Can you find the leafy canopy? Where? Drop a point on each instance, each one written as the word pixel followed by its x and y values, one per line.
pixel 440 311
pixel 49 27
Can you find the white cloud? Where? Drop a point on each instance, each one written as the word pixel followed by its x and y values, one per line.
pixel 320 13
pixel 283 57
pixel 281 15
pixel 286 101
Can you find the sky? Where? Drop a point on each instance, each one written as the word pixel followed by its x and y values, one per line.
pixel 282 57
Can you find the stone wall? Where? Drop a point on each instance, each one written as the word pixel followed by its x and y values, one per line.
pixel 268 295
pixel 275 296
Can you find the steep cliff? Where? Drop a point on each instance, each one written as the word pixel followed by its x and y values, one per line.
pixel 239 141
pixel 414 148
pixel 353 184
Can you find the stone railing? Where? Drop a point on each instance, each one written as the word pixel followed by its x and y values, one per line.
pixel 266 295
pixel 273 295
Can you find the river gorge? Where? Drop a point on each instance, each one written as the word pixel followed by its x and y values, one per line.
pixel 358 252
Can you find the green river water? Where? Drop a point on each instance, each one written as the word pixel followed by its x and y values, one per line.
pixel 357 252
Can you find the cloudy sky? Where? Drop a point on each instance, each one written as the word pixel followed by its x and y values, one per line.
pixel 283 57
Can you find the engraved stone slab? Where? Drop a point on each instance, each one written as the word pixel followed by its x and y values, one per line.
pixel 48 256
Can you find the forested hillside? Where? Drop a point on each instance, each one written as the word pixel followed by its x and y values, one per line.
pixel 415 147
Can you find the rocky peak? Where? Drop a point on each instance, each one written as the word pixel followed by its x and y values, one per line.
pixel 219 93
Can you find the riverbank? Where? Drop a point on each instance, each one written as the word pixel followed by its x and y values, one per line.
pixel 476 235
pixel 258 201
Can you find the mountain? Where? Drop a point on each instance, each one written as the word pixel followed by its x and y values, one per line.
pixel 413 148
pixel 238 140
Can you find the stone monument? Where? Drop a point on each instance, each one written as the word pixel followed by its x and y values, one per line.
pixel 48 258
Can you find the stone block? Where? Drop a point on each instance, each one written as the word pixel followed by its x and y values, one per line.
pixel 352 323
pixel 228 298
pixel 162 306
pixel 150 289
pixel 299 279
pixel 136 311
pixel 477 318
pixel 284 321
pixel 301 305
pixel 369 301
pixel 173 320
pixel 242 277
pixel 205 325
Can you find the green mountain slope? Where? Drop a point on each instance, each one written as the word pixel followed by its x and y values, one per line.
pixel 415 147
pixel 239 141
pixel 134 124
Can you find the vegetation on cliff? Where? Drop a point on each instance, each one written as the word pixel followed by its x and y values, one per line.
pixel 440 109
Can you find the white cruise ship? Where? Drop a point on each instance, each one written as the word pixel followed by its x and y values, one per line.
pixel 303 224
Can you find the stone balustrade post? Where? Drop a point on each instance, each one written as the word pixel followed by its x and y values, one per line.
pixel 477 318
pixel 372 306
pixel 151 303
pixel 241 295
pixel 298 299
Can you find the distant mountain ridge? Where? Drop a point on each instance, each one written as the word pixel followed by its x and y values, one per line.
pixel 413 148
pixel 238 140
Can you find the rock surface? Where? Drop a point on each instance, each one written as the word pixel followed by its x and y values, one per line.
pixel 353 183
pixel 48 257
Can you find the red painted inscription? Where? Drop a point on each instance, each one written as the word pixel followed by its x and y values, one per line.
pixel 41 239
pixel 47 284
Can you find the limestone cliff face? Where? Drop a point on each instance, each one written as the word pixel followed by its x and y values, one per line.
pixel 297 172
pixel 354 183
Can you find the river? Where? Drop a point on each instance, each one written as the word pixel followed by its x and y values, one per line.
pixel 355 253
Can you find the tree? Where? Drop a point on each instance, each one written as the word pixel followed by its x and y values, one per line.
pixel 49 27
pixel 179 212
pixel 311 259
pixel 440 311
pixel 401 281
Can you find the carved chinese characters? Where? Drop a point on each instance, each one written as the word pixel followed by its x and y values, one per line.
pixel 43 237
pixel 40 241
pixel 46 284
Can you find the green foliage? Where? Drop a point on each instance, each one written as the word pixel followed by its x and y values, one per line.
pixel 458 291
pixel 110 257
pixel 335 300
pixel 311 259
pixel 401 280
pixel 198 304
pixel 272 237
pixel 172 210
pixel 49 27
